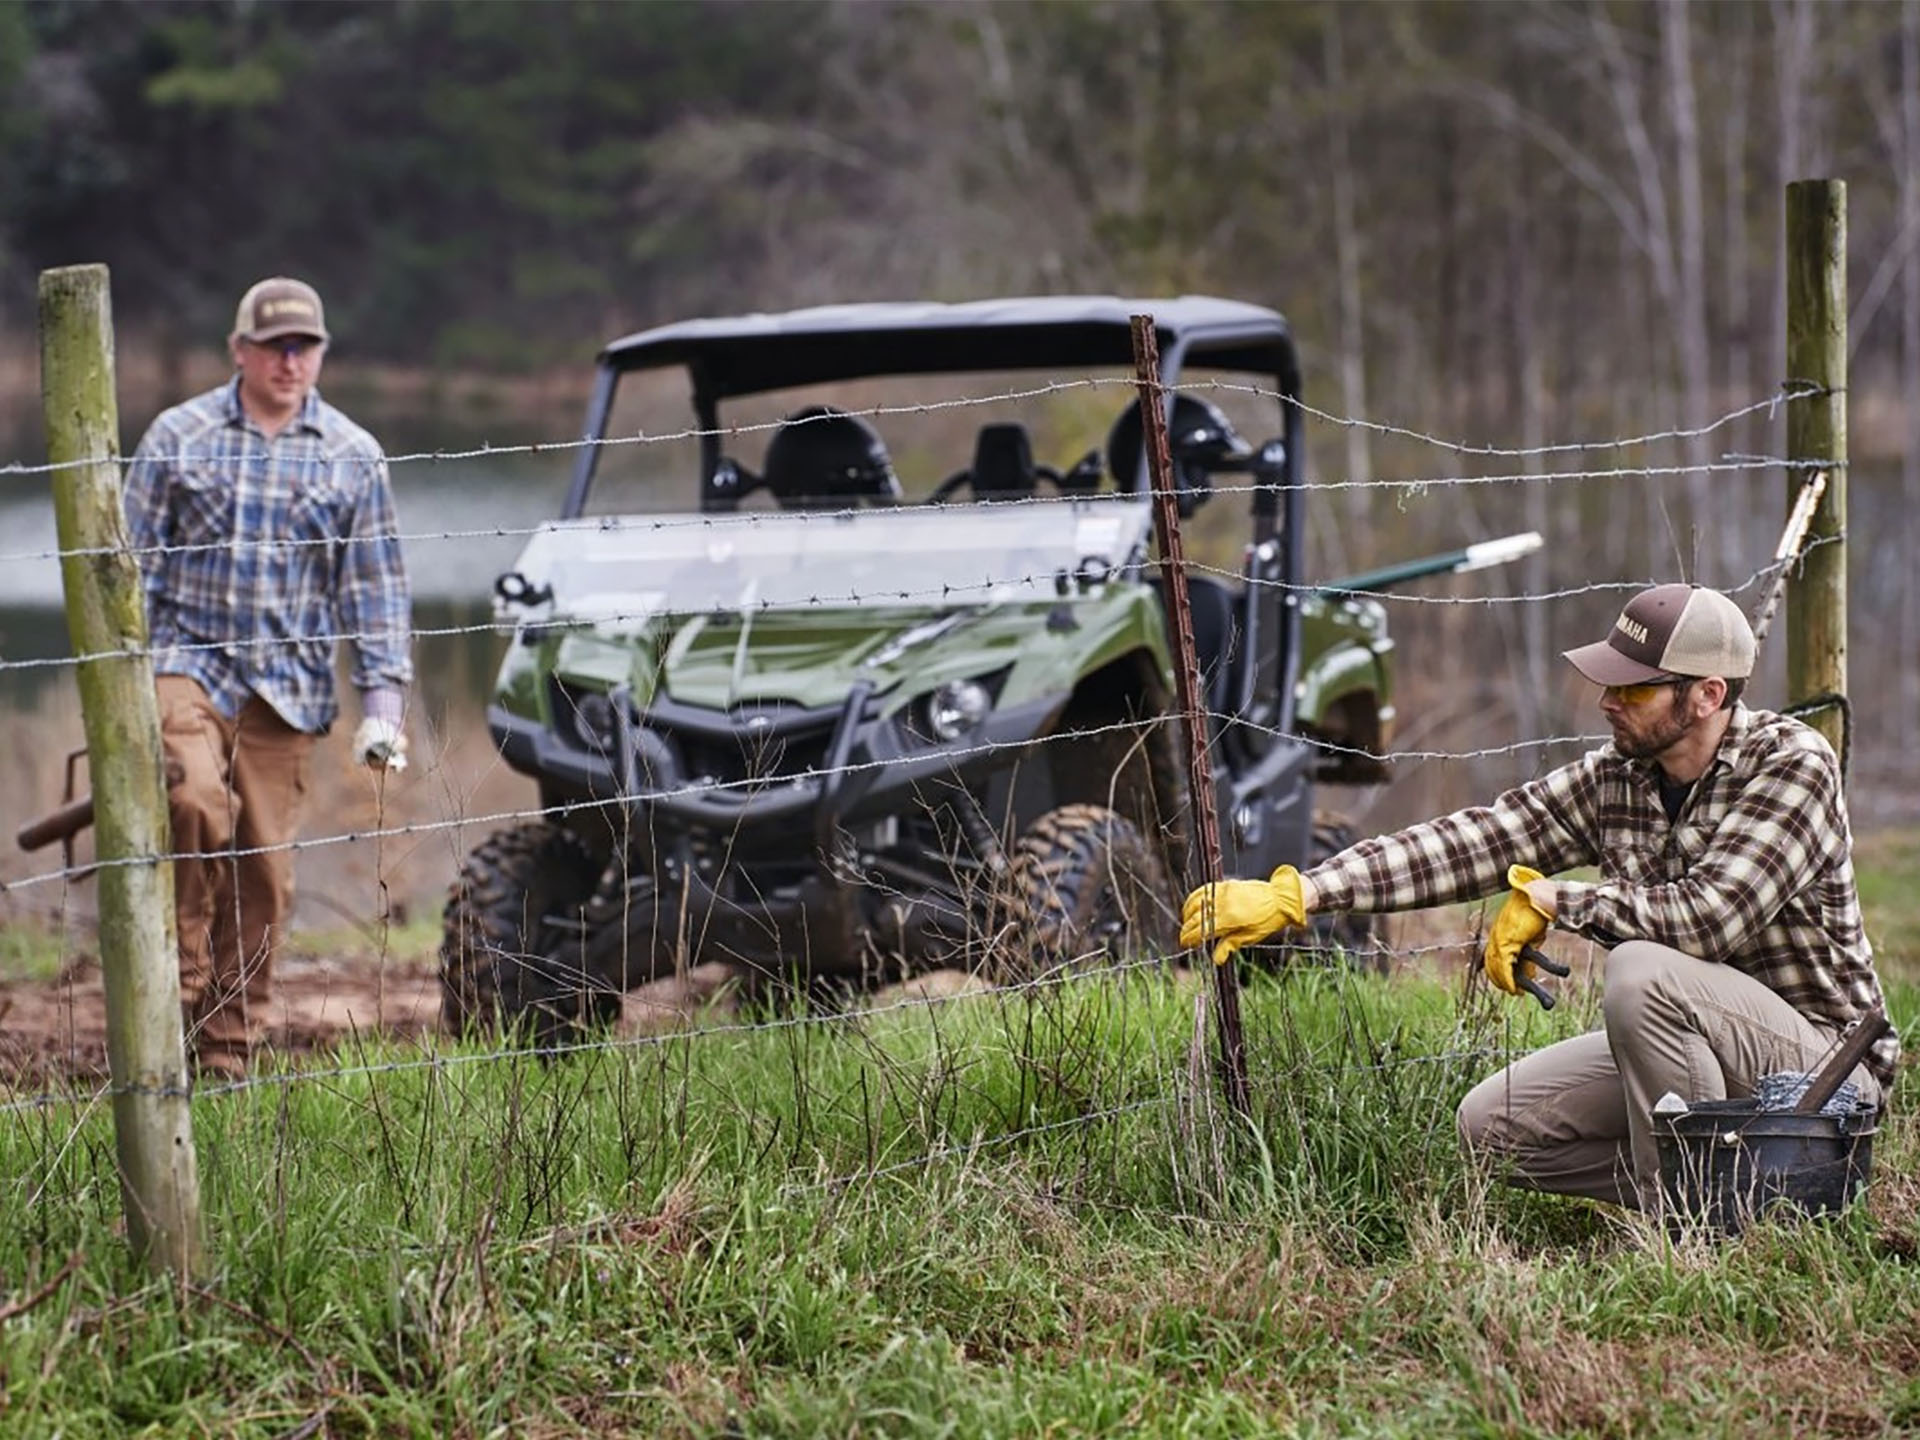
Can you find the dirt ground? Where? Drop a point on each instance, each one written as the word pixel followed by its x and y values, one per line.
pixel 53 1032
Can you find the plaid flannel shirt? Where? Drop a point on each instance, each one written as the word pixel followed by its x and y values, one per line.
pixel 256 554
pixel 1756 872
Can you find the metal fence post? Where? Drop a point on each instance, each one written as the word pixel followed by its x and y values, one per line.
pixel 106 622
pixel 1186 673
pixel 1816 247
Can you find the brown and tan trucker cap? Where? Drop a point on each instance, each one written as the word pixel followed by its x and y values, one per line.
pixel 277 307
pixel 1669 631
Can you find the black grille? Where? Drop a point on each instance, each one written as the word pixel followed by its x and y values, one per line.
pixel 762 745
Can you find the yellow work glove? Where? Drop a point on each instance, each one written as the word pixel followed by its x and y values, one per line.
pixel 1510 958
pixel 1233 913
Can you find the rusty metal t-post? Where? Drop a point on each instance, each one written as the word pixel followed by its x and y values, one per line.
pixel 106 622
pixel 1173 565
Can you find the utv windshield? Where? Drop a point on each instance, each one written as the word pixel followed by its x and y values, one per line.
pixel 638 565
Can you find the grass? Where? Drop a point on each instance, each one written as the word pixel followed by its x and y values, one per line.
pixel 1011 1214
pixel 416 942
pixel 32 951
pixel 1008 1214
pixel 1887 865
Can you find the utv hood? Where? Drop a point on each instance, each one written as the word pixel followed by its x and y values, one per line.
pixel 810 658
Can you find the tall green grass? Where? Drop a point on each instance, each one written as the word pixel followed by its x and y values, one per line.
pixel 1014 1213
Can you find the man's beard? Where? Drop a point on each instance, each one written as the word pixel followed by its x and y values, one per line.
pixel 1667 730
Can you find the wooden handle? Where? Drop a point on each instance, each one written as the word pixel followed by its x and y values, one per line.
pixel 62 824
pixel 76 815
pixel 1851 1052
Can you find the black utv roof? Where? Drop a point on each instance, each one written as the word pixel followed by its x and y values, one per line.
pixel 748 354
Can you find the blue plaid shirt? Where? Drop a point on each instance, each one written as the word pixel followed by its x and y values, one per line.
pixel 258 554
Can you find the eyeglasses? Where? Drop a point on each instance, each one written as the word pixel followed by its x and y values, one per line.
pixel 289 347
pixel 1644 691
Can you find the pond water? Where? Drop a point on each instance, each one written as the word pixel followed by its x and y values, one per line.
pixel 466 517
pixel 463 522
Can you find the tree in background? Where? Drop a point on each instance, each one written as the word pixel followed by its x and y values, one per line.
pixel 1504 223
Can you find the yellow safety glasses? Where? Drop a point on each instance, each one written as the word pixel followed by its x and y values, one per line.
pixel 1641 693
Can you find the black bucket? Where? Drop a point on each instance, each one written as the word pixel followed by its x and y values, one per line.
pixel 1725 1163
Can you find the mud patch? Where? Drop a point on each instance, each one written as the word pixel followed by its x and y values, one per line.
pixel 53 1033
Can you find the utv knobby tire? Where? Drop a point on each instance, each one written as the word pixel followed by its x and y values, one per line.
pixel 1350 935
pixel 1084 887
pixel 494 975
pixel 1136 770
pixel 1341 938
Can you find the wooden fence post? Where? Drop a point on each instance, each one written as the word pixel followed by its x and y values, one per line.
pixel 1816 226
pixel 106 621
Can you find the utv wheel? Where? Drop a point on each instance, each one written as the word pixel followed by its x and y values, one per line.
pixel 1353 940
pixel 1359 937
pixel 1085 886
pixel 500 965
pixel 1136 771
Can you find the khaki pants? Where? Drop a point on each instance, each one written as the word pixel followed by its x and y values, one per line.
pixel 244 787
pixel 1575 1118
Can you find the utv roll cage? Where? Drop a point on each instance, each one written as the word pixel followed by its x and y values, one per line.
pixel 753 354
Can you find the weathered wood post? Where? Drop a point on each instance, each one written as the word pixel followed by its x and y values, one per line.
pixel 106 622
pixel 1816 226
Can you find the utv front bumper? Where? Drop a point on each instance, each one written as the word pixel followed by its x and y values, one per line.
pixel 748 822
pixel 760 773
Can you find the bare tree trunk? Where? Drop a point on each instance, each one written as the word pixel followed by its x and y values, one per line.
pixel 1908 731
pixel 1676 47
pixel 1528 369
pixel 1739 309
pixel 1654 402
pixel 1792 46
pixel 1792 67
pixel 1346 249
pixel 1022 165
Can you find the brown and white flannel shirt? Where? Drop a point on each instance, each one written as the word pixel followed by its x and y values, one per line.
pixel 1757 871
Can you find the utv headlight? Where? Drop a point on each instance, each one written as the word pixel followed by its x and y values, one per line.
pixel 956 708
pixel 594 719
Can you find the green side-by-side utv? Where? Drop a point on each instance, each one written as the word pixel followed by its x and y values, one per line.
pixel 896 693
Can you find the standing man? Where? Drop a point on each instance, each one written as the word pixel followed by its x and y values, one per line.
pixel 1726 902
pixel 265 529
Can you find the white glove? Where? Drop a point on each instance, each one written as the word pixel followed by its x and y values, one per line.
pixel 379 745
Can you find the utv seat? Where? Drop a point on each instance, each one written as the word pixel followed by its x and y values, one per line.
pixel 1216 638
pixel 822 458
pixel 1199 439
pixel 1002 468
pixel 1003 463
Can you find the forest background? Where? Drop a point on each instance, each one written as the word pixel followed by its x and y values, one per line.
pixel 1517 225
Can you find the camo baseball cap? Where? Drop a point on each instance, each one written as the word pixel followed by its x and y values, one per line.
pixel 277 307
pixel 1670 632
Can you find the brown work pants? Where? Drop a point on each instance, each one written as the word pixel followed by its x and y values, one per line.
pixel 1576 1118
pixel 237 806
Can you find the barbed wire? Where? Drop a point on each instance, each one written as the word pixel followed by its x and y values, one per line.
pixel 1524 597
pixel 1067 974
pixel 980 1143
pixel 951 753
pixel 1789 391
pixel 1060 975
pixel 1173 1097
pixel 985 591
pixel 442 1061
pixel 751 784
pixel 1325 1064
pixel 644 523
